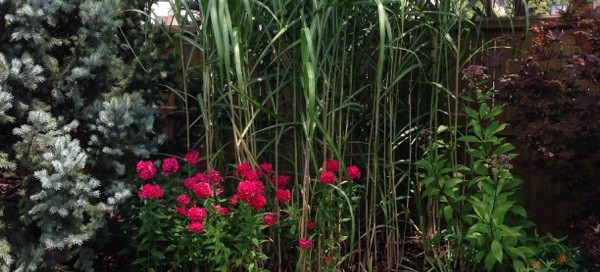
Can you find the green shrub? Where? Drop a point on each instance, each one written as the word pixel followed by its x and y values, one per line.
pixel 76 103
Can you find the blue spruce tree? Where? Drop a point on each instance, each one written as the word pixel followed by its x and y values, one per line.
pixel 78 83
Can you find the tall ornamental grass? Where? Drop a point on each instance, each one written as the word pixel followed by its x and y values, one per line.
pixel 300 82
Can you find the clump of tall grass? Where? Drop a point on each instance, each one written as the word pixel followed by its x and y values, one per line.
pixel 300 82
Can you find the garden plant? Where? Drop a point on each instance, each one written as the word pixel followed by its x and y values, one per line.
pixel 317 135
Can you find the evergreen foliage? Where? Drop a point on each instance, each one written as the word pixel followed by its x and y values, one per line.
pixel 78 81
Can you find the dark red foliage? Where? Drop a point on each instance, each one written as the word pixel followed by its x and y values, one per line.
pixel 556 97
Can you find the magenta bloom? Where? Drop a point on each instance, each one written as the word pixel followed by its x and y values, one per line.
pixel 311 224
pixel 267 167
pixel 196 227
pixel 243 168
pixel 151 191
pixel 183 200
pixel 253 193
pixel 281 181
pixel 193 156
pixel 270 219
pixel 258 202
pixel 354 172
pixel 197 214
pixel 332 165
pixel 146 169
pixel 250 189
pixel 283 195
pixel 251 175
pixel 328 177
pixel 193 180
pixel 305 243
pixel 234 199
pixel 222 210
pixel 203 190
pixel 170 165
pixel 182 210
pixel 214 176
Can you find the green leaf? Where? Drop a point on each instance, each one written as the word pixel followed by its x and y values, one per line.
pixel 441 129
pixel 499 128
pixel 157 254
pixel 513 252
pixel 139 260
pixel 490 261
pixel 500 211
pixel 480 208
pixel 527 251
pixel 471 112
pixel 510 230
pixel 476 153
pixel 506 147
pixel 517 209
pixel 448 210
pixel 476 128
pixel 431 192
pixel 468 98
pixel 451 183
pixel 479 167
pixel 483 109
pixel 518 265
pixel 497 250
pixel 479 256
pixel 495 111
pixel 469 139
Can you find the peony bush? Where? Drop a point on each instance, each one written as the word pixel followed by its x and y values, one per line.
pixel 191 220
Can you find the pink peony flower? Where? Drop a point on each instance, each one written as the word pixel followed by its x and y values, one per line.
pixel 310 224
pixel 190 182
pixel 193 157
pixel 197 214
pixel 253 193
pixel 182 210
pixel 196 227
pixel 183 200
pixel 234 199
pixel 146 169
pixel 214 176
pixel 283 195
pixel 222 210
pixel 151 191
pixel 267 167
pixel 250 189
pixel 328 177
pixel 270 219
pixel 354 172
pixel 328 259
pixel 332 165
pixel 281 181
pixel 203 190
pixel 258 202
pixel 251 175
pixel 243 168
pixel 170 165
pixel 305 243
